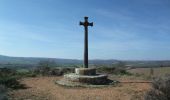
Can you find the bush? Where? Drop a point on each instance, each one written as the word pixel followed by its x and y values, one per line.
pixel 8 78
pixel 67 70
pixel 41 71
pixel 30 73
pixel 56 72
pixel 3 93
pixel 122 72
pixel 161 84
pixel 108 70
pixel 154 94
pixel 10 82
pixel 113 70
pixel 48 71
pixel 7 72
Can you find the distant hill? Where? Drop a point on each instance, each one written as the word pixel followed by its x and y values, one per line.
pixel 36 60
pixel 153 63
pixel 32 61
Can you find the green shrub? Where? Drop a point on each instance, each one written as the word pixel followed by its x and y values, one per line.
pixel 48 71
pixel 3 93
pixel 123 72
pixel 161 84
pixel 67 70
pixel 154 94
pixel 7 72
pixel 10 82
pixel 9 78
pixel 26 74
pixel 113 70
pixel 109 70
pixel 31 75
pixel 43 70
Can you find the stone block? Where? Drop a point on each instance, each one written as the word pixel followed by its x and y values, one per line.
pixel 85 71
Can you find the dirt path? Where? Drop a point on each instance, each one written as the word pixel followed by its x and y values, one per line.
pixel 44 88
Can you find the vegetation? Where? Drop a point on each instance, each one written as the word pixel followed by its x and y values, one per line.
pixel 3 93
pixel 48 71
pixel 161 89
pixel 150 72
pixel 9 78
pixel 30 62
pixel 155 95
pixel 113 70
pixel 10 82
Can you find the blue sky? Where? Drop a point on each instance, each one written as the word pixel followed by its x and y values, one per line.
pixel 123 29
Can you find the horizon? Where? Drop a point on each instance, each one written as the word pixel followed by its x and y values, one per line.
pixel 123 30
pixel 89 59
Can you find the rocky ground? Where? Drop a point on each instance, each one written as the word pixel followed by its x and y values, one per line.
pixel 44 88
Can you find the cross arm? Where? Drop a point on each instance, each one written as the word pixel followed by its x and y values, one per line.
pixel 81 23
pixel 90 24
pixel 86 24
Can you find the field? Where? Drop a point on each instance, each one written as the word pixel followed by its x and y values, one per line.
pixel 160 71
pixel 44 88
pixel 131 87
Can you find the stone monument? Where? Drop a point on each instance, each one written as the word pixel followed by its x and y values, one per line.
pixel 84 76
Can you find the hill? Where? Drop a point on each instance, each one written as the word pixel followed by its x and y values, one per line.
pixel 33 61
pixel 36 60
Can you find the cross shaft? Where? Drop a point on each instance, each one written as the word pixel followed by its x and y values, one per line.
pixel 86 24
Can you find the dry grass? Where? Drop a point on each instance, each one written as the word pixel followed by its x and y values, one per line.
pixel 44 88
pixel 156 71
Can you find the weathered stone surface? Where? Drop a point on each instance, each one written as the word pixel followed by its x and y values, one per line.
pixel 85 77
pixel 63 82
pixel 95 79
pixel 85 71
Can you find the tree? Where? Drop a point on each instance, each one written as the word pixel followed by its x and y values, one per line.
pixel 44 66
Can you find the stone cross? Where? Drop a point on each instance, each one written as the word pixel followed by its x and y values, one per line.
pixel 86 24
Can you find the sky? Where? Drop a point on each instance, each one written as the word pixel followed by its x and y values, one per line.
pixel 123 29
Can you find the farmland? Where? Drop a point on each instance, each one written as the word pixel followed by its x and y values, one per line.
pixel 159 71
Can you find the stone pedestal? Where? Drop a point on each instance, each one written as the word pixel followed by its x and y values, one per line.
pixel 84 77
pixel 85 71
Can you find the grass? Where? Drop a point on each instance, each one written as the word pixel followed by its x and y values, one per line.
pixel 44 88
pixel 160 89
pixel 161 71
pixel 113 70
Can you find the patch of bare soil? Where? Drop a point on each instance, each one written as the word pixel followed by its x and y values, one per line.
pixel 44 88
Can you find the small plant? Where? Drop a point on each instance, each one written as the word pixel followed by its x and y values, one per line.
pixel 7 72
pixel 113 70
pixel 9 78
pixel 3 93
pixel 123 72
pixel 48 71
pixel 161 87
pixel 163 84
pixel 154 94
pixel 108 70
pixel 29 73
pixel 10 82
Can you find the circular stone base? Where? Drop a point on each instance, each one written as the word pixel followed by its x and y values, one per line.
pixel 75 80
pixel 95 79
